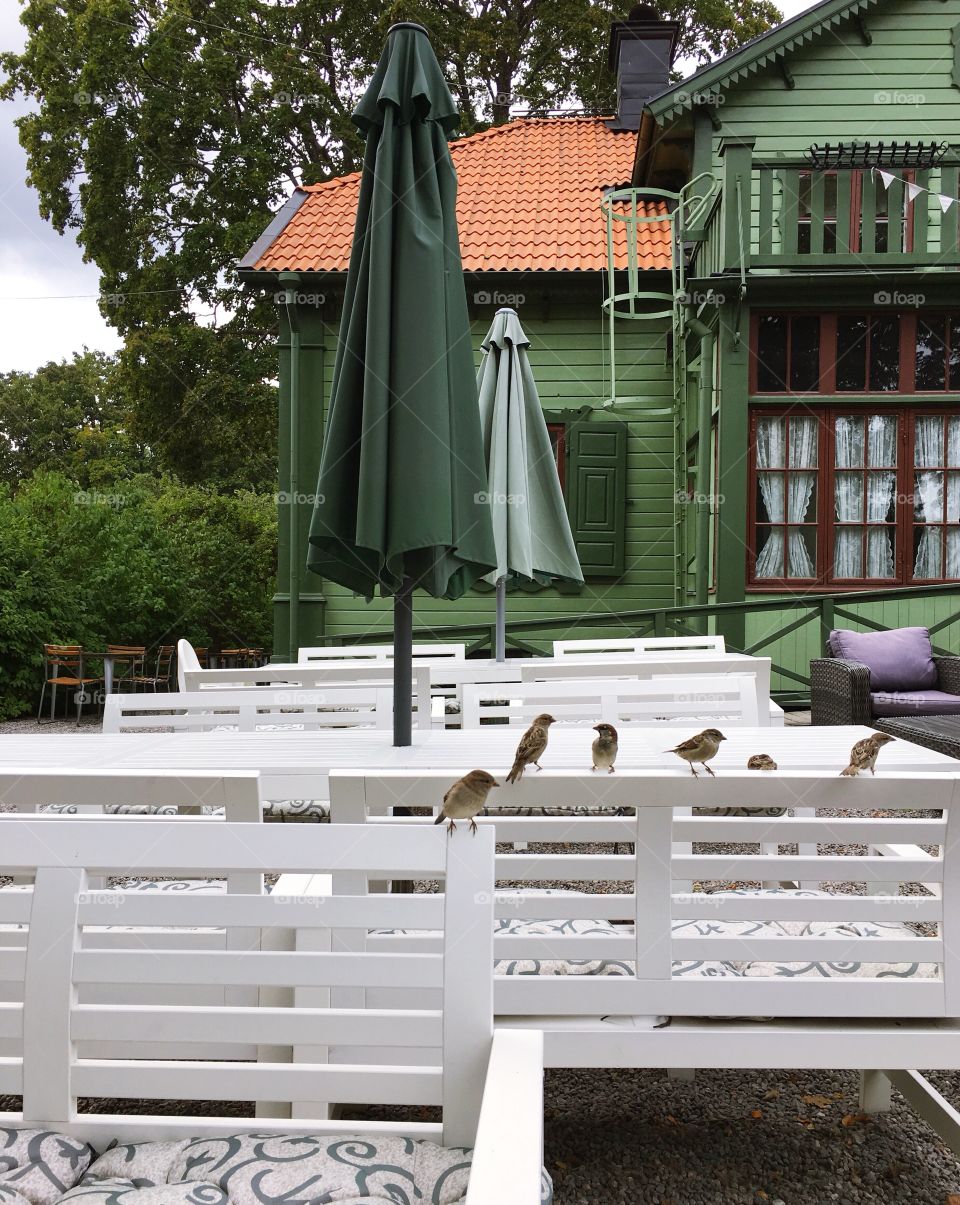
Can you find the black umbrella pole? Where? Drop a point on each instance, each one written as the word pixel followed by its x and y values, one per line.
pixel 403 664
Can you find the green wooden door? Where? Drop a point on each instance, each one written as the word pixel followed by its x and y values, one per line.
pixel 597 495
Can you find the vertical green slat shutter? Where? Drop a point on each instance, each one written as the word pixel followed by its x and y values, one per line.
pixel 597 495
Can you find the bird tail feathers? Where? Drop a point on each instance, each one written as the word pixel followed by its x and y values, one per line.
pixel 439 819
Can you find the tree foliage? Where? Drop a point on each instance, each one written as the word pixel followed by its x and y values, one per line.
pixel 145 561
pixel 165 131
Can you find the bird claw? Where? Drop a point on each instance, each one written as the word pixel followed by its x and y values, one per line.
pixel 709 771
pixel 473 825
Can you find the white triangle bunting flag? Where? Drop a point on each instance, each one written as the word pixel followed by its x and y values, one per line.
pixel 887 178
pixel 913 191
pixel 945 201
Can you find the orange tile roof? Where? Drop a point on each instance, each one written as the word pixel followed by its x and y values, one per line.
pixel 528 200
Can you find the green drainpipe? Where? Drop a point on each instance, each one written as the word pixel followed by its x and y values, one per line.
pixel 293 554
pixel 704 415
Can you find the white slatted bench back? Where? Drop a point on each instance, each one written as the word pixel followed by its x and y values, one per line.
pixel 380 652
pixel 187 662
pixel 310 677
pixel 28 788
pixel 639 644
pixel 256 709
pixel 50 1074
pixel 729 699
pixel 652 903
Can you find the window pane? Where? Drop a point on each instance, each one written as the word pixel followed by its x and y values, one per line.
pixel 881 441
pixel 851 353
pixel 805 354
pixel 848 442
pixel 804 433
pixel 928 553
pixel 769 552
pixel 953 441
pixel 881 497
pixel 801 551
pixel 953 553
pixel 771 443
pixel 928 502
pixel 848 553
pixel 931 354
pixel 772 354
pixel 885 353
pixel 801 498
pixel 953 498
pixel 880 552
pixel 848 497
pixel 955 353
pixel 928 441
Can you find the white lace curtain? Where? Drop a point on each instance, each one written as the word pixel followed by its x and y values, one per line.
pixel 864 443
pixel 933 489
pixel 786 496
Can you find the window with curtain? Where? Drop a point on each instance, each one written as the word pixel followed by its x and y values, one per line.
pixel 845 496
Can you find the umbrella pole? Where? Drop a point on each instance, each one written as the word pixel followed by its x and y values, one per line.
pixel 501 637
pixel 403 663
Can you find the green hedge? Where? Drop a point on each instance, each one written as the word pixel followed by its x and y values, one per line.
pixel 145 561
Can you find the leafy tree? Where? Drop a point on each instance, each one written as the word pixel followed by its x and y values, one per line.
pixel 68 417
pixel 165 131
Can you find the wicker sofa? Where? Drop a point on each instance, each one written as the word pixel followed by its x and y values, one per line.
pixel 841 691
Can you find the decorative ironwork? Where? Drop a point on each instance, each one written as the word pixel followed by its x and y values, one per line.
pixel 876 154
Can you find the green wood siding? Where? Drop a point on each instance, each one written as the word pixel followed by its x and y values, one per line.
pixel 567 356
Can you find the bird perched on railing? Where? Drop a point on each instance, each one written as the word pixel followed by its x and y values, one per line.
pixel 466 798
pixel 604 747
pixel 699 750
pixel 761 761
pixel 531 747
pixel 863 755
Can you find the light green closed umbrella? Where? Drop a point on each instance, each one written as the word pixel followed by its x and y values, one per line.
pixel 401 497
pixel 530 525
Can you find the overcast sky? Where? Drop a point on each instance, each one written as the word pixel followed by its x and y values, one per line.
pixel 48 307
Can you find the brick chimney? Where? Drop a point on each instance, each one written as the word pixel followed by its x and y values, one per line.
pixel 641 53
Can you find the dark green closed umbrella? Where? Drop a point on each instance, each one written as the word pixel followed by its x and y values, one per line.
pixel 401 498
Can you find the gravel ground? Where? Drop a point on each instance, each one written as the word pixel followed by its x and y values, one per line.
pixel 727 1138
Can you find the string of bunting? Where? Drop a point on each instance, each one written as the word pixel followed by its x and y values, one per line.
pixel 911 190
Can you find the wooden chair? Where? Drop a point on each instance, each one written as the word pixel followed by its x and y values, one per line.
pixel 63 665
pixel 489 1090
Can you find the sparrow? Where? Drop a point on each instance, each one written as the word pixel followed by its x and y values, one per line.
pixel 466 798
pixel 604 747
pixel 761 761
pixel 531 747
pixel 700 749
pixel 863 755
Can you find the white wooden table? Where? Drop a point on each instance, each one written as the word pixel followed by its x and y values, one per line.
pixel 294 765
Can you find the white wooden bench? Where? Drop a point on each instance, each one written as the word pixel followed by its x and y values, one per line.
pixel 257 709
pixel 639 644
pixel 727 699
pixel 658 665
pixel 379 652
pixel 846 978
pixel 489 1090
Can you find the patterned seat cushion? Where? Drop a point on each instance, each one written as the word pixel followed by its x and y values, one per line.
pixel 38 1166
pixel 283 811
pixel 253 1169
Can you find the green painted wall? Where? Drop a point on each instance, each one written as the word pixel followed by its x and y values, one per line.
pixel 568 360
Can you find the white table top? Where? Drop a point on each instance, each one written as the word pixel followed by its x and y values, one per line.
pixel 295 764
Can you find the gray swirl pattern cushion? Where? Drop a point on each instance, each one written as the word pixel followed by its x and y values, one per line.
pixel 38 1166
pixel 263 1169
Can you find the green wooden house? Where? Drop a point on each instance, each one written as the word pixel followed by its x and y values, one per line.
pixel 741 292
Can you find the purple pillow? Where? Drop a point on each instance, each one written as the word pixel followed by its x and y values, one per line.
pixel 901 659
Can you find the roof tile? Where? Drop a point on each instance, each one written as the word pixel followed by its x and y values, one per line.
pixel 528 199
